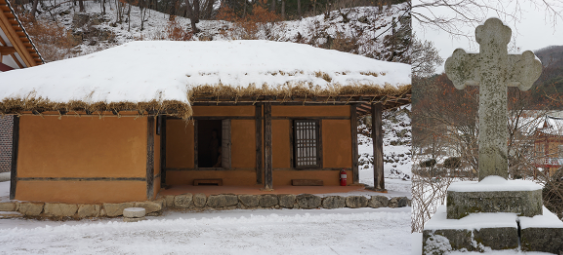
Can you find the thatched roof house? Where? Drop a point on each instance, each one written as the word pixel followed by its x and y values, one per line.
pixel 260 113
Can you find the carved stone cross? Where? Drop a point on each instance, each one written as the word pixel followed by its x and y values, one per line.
pixel 493 70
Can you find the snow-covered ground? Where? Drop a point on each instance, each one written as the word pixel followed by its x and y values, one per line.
pixel 340 231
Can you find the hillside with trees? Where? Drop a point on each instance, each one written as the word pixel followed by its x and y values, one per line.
pixel 373 28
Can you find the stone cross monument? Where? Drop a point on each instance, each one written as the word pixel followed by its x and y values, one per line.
pixel 493 70
pixel 493 213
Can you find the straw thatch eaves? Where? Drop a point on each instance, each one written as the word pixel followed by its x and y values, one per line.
pixel 169 77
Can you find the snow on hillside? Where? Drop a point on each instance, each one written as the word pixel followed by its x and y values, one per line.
pixel 396 150
pixel 367 26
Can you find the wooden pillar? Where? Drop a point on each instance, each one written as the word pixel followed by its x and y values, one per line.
pixel 268 147
pixel 259 167
pixel 377 137
pixel 150 157
pixel 354 134
pixel 162 150
pixel 196 145
pixel 14 170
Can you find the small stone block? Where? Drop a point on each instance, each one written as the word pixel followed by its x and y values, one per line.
pixel 199 200
pixel 268 201
pixel 249 201
pixel 306 182
pixel 31 209
pixel 378 201
pixel 60 209
pixel 222 201
pixel 356 201
pixel 116 209
pixel 134 212
pixel 87 210
pixel 127 219
pixel 308 201
pixel 10 214
pixel 8 206
pixel 286 200
pixel 334 202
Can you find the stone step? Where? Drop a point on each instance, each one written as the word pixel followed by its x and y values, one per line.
pixel 134 212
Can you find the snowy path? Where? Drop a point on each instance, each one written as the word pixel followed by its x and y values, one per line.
pixel 339 231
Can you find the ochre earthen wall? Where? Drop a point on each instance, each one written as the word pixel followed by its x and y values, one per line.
pixel 86 147
pixel 179 144
pixel 84 192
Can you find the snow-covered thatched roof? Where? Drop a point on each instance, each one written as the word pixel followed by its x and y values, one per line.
pixel 163 75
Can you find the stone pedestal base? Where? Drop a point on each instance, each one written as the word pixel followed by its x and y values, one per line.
pixel 494 194
pixel 542 233
pixel 497 231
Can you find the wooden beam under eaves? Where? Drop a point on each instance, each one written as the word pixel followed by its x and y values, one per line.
pixel 5 50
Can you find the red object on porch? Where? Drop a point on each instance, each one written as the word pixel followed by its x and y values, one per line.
pixel 5 68
pixel 343 177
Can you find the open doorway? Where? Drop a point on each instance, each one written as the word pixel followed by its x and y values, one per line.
pixel 214 143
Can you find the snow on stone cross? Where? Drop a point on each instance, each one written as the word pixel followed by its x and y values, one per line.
pixel 493 70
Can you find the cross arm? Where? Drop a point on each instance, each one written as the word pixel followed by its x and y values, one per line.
pixel 463 69
pixel 523 70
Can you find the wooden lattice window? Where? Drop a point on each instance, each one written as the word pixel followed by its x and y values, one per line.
pixel 306 142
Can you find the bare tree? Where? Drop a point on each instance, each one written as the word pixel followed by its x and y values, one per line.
pixel 425 58
pixel 430 13
pixel 193 12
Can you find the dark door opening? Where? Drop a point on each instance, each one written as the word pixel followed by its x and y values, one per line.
pixel 209 143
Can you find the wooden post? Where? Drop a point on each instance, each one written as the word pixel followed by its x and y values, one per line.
pixel 258 144
pixel 377 137
pixel 150 157
pixel 196 156
pixel 354 134
pixel 268 147
pixel 163 150
pixel 14 170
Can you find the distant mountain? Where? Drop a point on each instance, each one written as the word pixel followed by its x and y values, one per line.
pixel 550 84
pixel 551 56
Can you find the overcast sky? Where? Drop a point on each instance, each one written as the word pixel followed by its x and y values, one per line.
pixel 532 32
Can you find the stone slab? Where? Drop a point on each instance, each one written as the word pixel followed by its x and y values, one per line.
pixel 471 239
pixel 475 232
pixel 183 201
pixel 287 200
pixel 8 206
pixel 523 203
pixel 10 214
pixel 334 202
pixel 116 209
pixel 356 201
pixel 308 201
pixel 378 201
pixel 268 201
pixel 199 200
pixel 151 207
pixel 60 209
pixel 127 219
pixel 543 233
pixel 222 201
pixel 88 210
pixel 134 212
pixel 31 209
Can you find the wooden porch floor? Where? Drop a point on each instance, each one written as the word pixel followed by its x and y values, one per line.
pixel 255 190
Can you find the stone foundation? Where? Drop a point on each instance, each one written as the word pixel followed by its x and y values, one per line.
pixel 196 202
